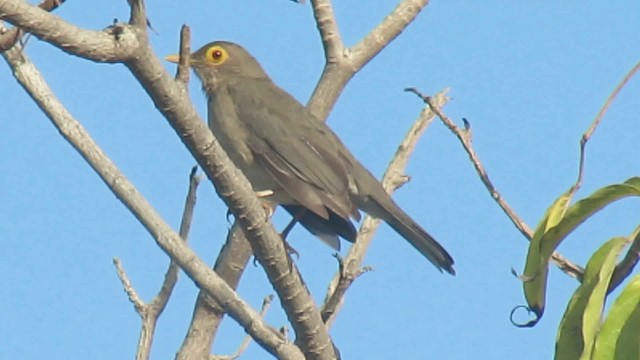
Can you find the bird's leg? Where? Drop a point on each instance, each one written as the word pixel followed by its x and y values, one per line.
pixel 296 217
pixel 290 250
pixel 267 205
pixel 264 193
pixel 269 208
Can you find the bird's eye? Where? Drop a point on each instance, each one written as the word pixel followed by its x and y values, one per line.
pixel 216 55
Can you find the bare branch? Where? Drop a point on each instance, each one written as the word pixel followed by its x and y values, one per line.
pixel 149 319
pixel 183 71
pixel 350 267
pixel 609 101
pixel 208 314
pixel 233 187
pixel 328 29
pixel 266 302
pixel 338 289
pixel 10 37
pixel 464 135
pixel 138 304
pixel 171 276
pixel 594 125
pixel 150 313
pixel 112 45
pixel 138 17
pixel 333 80
pixel 383 34
pixel 165 237
pixel 171 100
pixel 343 63
pixel 123 42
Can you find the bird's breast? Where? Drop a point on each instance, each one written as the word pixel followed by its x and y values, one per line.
pixel 234 138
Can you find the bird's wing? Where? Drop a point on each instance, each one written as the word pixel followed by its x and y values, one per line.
pixel 295 149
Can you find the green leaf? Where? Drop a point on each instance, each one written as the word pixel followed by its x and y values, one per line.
pixel 558 222
pixel 581 320
pixel 620 333
pixel 583 209
pixel 536 269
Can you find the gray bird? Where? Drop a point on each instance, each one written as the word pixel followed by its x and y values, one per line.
pixel 282 148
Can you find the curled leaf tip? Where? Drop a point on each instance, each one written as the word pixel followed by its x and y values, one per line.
pixel 531 323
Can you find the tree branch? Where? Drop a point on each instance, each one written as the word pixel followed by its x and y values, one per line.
pixel 114 44
pixel 207 313
pixel 341 64
pixel 386 32
pixel 328 29
pixel 150 313
pixel 31 80
pixel 266 302
pixel 128 43
pixel 10 37
pixel 230 263
pixel 464 135
pixel 171 99
pixel 393 178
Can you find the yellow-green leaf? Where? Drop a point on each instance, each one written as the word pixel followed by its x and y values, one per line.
pixel 558 222
pixel 536 270
pixel 619 337
pixel 583 209
pixel 581 320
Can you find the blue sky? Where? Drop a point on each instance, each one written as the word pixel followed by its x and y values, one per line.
pixel 529 77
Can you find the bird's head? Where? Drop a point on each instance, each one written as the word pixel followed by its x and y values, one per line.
pixel 220 62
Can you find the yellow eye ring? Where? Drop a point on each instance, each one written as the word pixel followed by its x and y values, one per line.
pixel 216 55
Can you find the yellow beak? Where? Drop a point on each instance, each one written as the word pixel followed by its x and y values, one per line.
pixel 175 58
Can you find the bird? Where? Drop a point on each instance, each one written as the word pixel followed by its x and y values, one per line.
pixel 285 151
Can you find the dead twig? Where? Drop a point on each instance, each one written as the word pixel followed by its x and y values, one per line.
pixel 465 137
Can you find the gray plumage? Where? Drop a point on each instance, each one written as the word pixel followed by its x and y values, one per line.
pixel 281 147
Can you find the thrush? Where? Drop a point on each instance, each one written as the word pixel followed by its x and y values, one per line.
pixel 287 152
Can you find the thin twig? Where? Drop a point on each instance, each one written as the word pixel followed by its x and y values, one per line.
pixel 626 266
pixel 167 239
pixel 328 29
pixel 138 304
pixel 208 314
pixel 350 267
pixel 183 72
pixel 610 99
pixel 464 136
pixel 10 37
pixel 404 14
pixel 138 17
pixel 150 313
pixel 594 125
pixel 341 63
pixel 171 276
pixel 335 299
pixel 236 191
pixel 266 302
pixel 114 44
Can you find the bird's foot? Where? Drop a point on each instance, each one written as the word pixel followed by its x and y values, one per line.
pixel 264 193
pixel 290 249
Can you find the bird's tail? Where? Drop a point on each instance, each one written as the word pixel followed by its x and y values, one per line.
pixel 385 208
